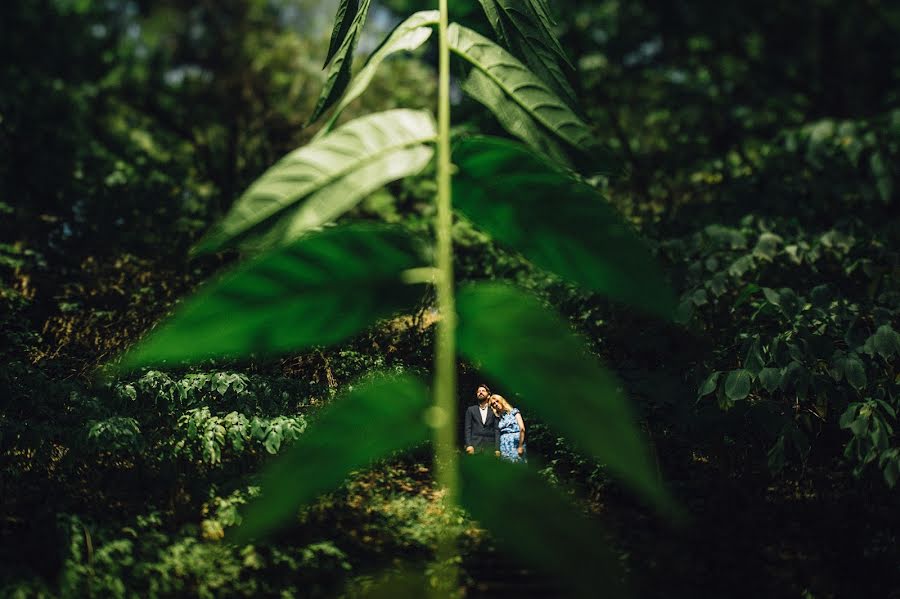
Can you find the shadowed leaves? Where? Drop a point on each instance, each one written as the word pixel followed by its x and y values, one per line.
pixel 316 291
pixel 348 26
pixel 557 222
pixel 518 86
pixel 332 174
pixel 516 340
pixel 407 36
pixel 375 419
pixel 513 503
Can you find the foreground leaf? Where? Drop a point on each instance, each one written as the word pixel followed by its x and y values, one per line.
pixel 518 342
pixel 557 222
pixel 334 173
pixel 513 503
pixel 407 36
pixel 316 291
pixel 340 60
pixel 375 419
pixel 519 86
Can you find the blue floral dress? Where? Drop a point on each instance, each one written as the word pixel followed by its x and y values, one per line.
pixel 509 437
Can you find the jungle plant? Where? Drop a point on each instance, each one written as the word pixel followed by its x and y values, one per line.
pixel 311 284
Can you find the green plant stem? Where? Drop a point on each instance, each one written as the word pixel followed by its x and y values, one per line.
pixel 445 353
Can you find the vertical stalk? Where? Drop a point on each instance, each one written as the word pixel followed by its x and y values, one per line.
pixel 445 353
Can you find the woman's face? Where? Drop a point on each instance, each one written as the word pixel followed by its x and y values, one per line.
pixel 495 403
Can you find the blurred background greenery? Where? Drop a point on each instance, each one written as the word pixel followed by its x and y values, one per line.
pixel 760 144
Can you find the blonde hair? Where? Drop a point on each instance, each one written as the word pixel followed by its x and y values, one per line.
pixel 503 403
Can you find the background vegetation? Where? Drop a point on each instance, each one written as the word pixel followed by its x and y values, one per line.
pixel 761 146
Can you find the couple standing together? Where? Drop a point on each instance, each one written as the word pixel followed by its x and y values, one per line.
pixel 493 423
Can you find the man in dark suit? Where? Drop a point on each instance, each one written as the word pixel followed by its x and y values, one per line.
pixel 481 424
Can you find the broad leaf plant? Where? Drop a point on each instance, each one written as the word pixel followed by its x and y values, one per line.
pixel 309 283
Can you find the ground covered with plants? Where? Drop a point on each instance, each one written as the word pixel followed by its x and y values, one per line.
pixel 757 152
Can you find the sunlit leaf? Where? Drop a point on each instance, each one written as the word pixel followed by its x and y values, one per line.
pixel 407 36
pixel 537 524
pixel 557 222
pixel 319 290
pixel 512 338
pixel 375 419
pixel 332 174
pixel 340 61
pixel 520 87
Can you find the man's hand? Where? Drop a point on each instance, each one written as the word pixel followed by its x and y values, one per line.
pixel 497 453
pixel 470 450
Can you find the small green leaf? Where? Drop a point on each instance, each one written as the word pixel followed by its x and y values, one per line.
pixel 317 291
pixel 737 384
pixel 770 378
pixel 849 415
pixel 709 385
pixel 552 372
pixel 332 174
pixel 518 25
pixel 513 503
pixel 513 194
pixel 407 36
pixel 855 372
pixel 340 61
pixel 375 419
pixel 754 360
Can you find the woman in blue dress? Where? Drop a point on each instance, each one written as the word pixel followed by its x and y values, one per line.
pixel 511 442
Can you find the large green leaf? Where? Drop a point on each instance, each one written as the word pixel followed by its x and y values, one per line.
pixel 375 419
pixel 407 36
pixel 559 223
pixel 319 290
pixel 519 24
pixel 514 118
pixel 513 503
pixel 334 173
pixel 520 86
pixel 516 341
pixel 340 61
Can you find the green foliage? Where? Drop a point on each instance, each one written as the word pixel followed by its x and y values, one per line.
pixel 258 299
pixel 282 300
pixel 331 175
pixel 509 90
pixel 553 374
pixel 510 193
pixel 568 544
pixel 375 419
pixel 526 28
pixel 407 36
pixel 806 357
pixel 350 20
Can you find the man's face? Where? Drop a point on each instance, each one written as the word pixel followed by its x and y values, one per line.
pixel 481 393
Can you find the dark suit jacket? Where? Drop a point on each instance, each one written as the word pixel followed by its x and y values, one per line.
pixel 481 436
